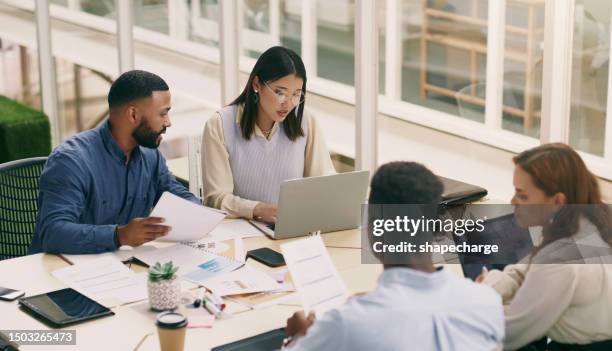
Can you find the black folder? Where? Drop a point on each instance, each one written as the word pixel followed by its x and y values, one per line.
pixel 268 341
pixel 460 193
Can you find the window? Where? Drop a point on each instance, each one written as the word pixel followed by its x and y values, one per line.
pixel 444 46
pixel 336 40
pixel 438 58
pixel 152 15
pixel 523 63
pixel 591 61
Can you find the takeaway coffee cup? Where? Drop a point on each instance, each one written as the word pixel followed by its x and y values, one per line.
pixel 171 327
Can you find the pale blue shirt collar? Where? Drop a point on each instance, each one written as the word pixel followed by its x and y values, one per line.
pixel 413 278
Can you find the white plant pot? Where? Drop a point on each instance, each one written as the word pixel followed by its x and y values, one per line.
pixel 164 294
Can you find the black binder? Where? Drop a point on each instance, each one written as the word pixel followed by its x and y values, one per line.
pixel 268 341
pixel 460 193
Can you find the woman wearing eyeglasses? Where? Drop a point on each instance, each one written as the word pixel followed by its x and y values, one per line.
pixel 261 139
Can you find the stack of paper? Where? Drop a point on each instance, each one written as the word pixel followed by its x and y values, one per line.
pixel 242 281
pixel 262 299
pixel 105 280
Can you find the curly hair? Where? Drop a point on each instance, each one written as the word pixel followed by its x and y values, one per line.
pixel 405 183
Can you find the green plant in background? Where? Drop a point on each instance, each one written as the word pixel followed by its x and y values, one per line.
pixel 24 132
pixel 103 8
pixel 159 272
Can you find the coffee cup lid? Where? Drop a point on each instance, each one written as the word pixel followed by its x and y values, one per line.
pixel 171 320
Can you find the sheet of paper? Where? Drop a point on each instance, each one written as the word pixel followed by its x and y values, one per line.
pixel 233 229
pixel 183 256
pixel 314 275
pixel 104 279
pixel 215 247
pixel 242 281
pixel 209 269
pixel 262 299
pixel 125 253
pixel 189 221
pixel 279 276
pixel 239 250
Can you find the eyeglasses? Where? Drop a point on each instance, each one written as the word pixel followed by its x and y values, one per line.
pixel 281 97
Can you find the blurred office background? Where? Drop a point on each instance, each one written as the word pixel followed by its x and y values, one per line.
pixel 546 62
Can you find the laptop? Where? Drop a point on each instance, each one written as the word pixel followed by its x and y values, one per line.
pixel 325 203
pixel 459 193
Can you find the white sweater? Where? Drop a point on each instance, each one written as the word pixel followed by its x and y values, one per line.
pixel 570 303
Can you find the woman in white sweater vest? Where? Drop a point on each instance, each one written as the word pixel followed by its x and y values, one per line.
pixel 569 303
pixel 262 138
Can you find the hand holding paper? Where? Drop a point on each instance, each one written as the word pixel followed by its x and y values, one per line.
pixel 189 222
pixel 315 278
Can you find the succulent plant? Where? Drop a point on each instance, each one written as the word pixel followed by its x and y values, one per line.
pixel 159 272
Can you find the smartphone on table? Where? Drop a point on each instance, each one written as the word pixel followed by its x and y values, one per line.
pixel 267 256
pixel 7 294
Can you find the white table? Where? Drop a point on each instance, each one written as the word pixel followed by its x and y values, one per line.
pixel 132 322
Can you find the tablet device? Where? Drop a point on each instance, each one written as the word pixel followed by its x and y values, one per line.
pixel 63 307
pixel 513 241
pixel 268 341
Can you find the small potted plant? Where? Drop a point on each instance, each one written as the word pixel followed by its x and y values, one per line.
pixel 164 286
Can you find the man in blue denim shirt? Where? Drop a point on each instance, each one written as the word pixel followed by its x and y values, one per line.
pixel 99 186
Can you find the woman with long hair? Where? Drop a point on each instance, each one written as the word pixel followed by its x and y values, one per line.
pixel 560 291
pixel 263 137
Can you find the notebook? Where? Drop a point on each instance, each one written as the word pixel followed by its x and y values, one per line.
pixel 190 257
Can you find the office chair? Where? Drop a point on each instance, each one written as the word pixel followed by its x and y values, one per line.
pixel 18 204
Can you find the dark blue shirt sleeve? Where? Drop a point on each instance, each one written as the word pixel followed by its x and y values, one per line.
pixel 61 201
pixel 167 182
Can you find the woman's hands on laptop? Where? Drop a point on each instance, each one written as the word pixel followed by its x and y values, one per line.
pixel 265 213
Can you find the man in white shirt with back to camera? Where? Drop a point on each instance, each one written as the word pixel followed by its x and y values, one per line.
pixel 415 306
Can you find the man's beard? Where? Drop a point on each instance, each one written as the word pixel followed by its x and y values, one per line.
pixel 146 136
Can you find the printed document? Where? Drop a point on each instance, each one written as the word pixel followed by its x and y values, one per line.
pixel 314 275
pixel 189 221
pixel 242 281
pixel 103 280
pixel 233 229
